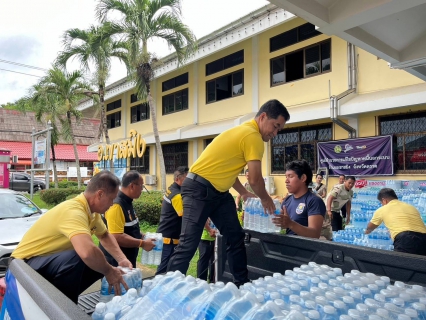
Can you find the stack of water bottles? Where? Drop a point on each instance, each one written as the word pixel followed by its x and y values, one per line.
pixel 112 307
pixel 153 257
pixel 312 291
pixel 378 239
pixel 255 217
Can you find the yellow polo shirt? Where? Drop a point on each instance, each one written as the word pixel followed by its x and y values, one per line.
pixel 399 216
pixel 224 158
pixel 52 232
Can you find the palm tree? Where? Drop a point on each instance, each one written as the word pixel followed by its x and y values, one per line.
pixel 142 21
pixel 68 89
pixel 46 107
pixel 94 47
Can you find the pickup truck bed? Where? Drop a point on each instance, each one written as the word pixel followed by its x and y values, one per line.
pixel 268 253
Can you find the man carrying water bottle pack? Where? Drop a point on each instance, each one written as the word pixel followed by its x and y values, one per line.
pixel 205 192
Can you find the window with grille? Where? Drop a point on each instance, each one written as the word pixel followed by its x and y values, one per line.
pixel 409 140
pixel 298 143
pixel 228 86
pixel 285 39
pixel 175 82
pixel 175 155
pixel 133 97
pixel 141 165
pixel 229 61
pixel 307 62
pixel 117 163
pixel 114 120
pixel 113 105
pixel 139 112
pixel 175 102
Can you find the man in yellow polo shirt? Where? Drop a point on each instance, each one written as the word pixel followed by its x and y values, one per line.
pixel 122 221
pixel 59 245
pixel 205 192
pixel 404 222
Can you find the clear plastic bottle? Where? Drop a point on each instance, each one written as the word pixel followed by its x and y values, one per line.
pixel 109 316
pixel 274 228
pixel 267 311
pixel 114 306
pixel 237 308
pixel 106 293
pixel 100 311
pixel 247 213
pixel 158 249
pixel 329 313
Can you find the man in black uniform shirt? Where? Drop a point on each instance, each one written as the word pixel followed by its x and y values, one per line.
pixel 171 217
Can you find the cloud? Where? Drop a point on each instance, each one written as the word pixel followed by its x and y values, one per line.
pixel 19 47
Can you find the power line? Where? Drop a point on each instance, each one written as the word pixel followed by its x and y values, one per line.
pixel 22 65
pixel 27 74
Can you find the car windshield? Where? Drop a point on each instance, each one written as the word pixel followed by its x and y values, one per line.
pixel 16 206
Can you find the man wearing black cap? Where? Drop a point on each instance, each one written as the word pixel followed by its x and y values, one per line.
pixel 171 217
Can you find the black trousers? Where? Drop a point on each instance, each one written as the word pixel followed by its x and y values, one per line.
pixel 343 210
pixel 200 202
pixel 337 221
pixel 66 271
pixel 410 242
pixel 205 262
pixel 165 257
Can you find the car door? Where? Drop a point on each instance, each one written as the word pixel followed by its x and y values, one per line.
pixel 20 182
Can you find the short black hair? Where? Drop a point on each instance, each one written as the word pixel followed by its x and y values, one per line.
pixel 129 177
pixel 386 193
pixel 319 174
pixel 273 109
pixel 246 171
pixel 180 170
pixel 104 180
pixel 342 175
pixel 350 178
pixel 301 167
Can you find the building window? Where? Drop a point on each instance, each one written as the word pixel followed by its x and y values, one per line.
pixel 141 165
pixel 175 155
pixel 175 102
pixel 207 142
pixel 87 164
pixel 134 98
pixel 139 112
pixel 285 39
pixel 228 86
pixel 300 64
pixel 409 140
pixel 113 105
pixel 175 82
pixel 232 60
pixel 298 143
pixel 114 120
pixel 117 163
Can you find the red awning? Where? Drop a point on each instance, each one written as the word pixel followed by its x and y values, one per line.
pixel 63 152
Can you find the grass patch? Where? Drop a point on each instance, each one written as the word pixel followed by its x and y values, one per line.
pixel 39 203
pixel 145 227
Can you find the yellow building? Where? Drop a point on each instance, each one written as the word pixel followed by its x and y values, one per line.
pixel 272 54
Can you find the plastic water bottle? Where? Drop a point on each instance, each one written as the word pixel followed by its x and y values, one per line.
pixel 420 308
pixel 100 311
pixel 247 210
pixel 109 316
pixel 129 299
pixel 237 308
pixel 258 212
pixel 268 311
pixel 273 227
pixel 329 313
pixel 106 294
pixel 114 306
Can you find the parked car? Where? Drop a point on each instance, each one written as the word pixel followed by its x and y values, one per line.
pixel 21 181
pixel 17 215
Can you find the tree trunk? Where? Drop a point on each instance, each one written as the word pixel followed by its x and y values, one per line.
pixel 103 128
pixel 157 139
pixel 55 172
pixel 74 144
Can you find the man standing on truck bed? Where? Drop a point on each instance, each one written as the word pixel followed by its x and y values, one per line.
pixel 122 222
pixel 171 217
pixel 302 211
pixel 205 191
pixel 341 195
pixel 404 222
pixel 59 245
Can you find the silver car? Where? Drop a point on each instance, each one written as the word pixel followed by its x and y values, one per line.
pixel 17 215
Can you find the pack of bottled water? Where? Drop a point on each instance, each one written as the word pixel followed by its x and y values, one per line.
pixel 153 257
pixel 255 217
pixel 133 279
pixel 379 239
pixel 311 291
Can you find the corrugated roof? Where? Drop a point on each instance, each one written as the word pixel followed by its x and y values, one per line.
pixel 17 126
pixel 63 152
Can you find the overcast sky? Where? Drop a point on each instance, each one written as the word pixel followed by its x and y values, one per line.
pixel 31 33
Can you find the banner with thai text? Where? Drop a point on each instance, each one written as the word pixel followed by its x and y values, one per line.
pixel 357 157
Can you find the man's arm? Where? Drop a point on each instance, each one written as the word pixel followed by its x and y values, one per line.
pixel 237 201
pixel 313 230
pixel 93 257
pixel 126 241
pixel 258 185
pixel 330 200
pixel 110 244
pixel 370 228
